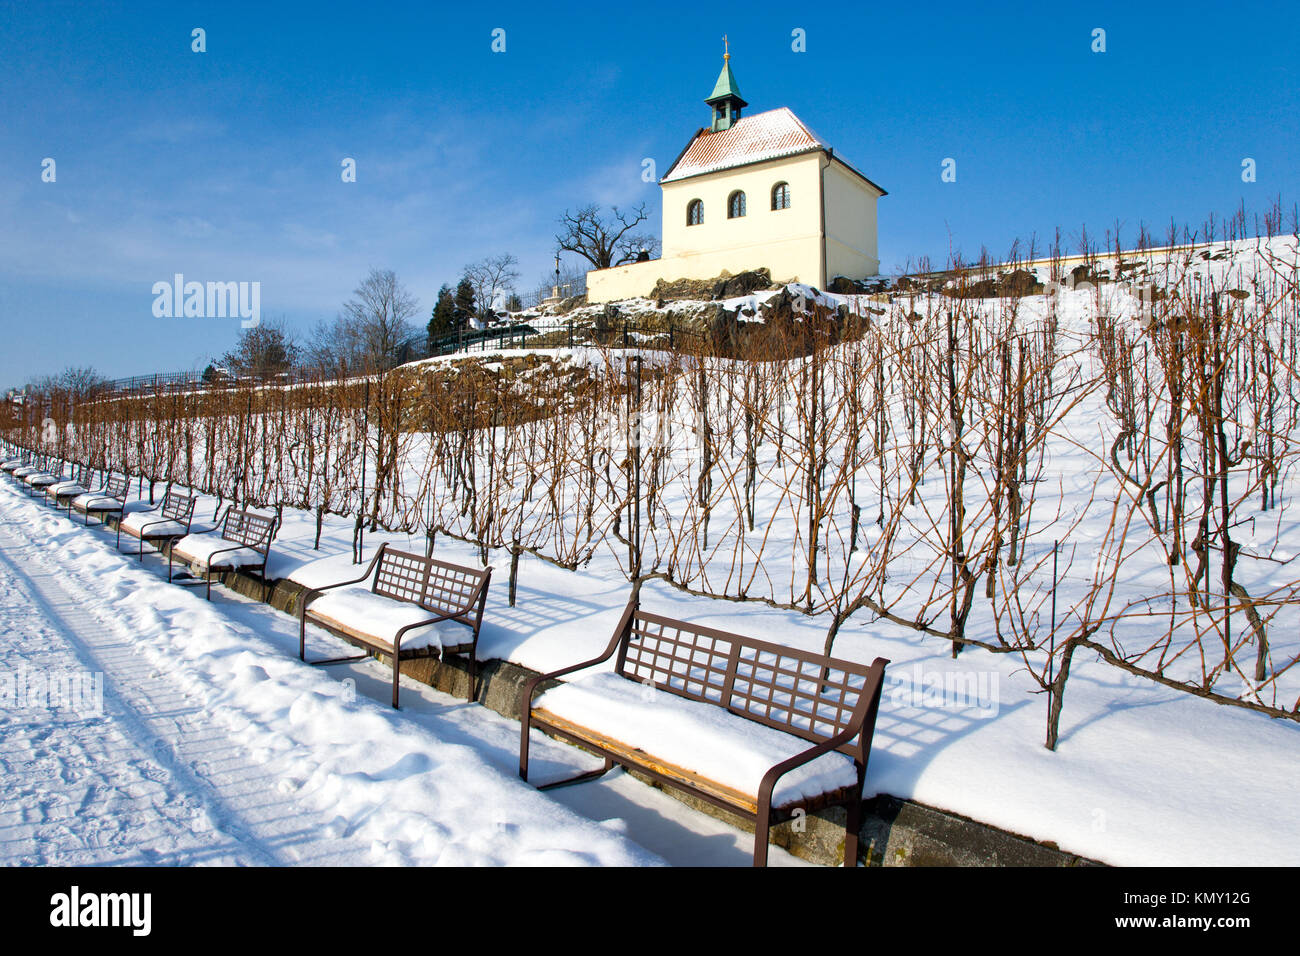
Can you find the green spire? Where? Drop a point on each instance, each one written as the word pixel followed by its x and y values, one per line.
pixel 725 98
pixel 726 85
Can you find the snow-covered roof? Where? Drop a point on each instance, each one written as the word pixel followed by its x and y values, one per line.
pixel 751 139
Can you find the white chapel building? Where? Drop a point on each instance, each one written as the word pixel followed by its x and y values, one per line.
pixel 751 192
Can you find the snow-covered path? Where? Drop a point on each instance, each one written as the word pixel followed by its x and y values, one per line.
pixel 148 780
pixel 213 749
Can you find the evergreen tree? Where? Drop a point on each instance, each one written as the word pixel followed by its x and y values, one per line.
pixel 465 309
pixel 443 319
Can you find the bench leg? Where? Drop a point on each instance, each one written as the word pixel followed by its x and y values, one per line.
pixel 397 673
pixel 851 828
pixel 761 826
pixel 524 726
pixel 208 574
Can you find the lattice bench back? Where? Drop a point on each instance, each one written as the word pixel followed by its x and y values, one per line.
pixel 116 487
pixel 437 585
pixel 178 507
pixel 802 693
pixel 251 530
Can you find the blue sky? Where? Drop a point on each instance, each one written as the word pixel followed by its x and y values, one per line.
pixel 225 165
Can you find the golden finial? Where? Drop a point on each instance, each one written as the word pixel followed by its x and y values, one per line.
pixel 726 50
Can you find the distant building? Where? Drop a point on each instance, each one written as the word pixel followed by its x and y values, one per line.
pixel 750 192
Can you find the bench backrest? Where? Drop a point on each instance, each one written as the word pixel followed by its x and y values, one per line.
pixel 800 692
pixel 439 586
pixel 116 487
pixel 178 507
pixel 249 529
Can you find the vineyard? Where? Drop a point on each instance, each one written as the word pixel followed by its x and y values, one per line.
pixel 1042 459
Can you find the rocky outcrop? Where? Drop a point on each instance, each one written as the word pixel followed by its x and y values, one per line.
pixel 723 286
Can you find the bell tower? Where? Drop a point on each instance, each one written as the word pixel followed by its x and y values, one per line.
pixel 725 98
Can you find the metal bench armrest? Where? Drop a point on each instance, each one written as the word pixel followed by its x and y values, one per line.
pixel 768 784
pixel 311 594
pixel 526 702
pixel 401 632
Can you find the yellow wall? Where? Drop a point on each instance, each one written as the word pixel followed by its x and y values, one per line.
pixel 760 226
pixel 788 242
pixel 850 225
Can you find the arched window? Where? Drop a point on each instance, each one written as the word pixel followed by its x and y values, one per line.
pixel 694 212
pixel 736 205
pixel 781 196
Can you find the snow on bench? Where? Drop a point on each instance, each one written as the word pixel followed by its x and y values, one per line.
pixel 721 716
pixel 61 493
pixel 167 522
pixel 37 481
pixel 110 499
pixel 413 607
pixel 242 541
pixel 29 467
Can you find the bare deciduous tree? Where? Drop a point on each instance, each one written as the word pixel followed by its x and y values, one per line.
pixel 603 241
pixel 373 327
pixel 492 278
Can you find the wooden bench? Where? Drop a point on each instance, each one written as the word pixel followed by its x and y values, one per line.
pixel 102 502
pixel 242 542
pixel 166 522
pixel 720 716
pixel 51 473
pixel 61 493
pixel 10 465
pixel 31 466
pixel 409 595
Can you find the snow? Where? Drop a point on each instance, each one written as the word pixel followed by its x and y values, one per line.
pixel 199 548
pixel 65 488
pixel 706 739
pixel 149 522
pixel 96 500
pixel 360 609
pixel 216 746
pixel 1143 774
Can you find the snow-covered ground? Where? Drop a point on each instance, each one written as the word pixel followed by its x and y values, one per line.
pixel 205 741
pixel 1143 774
pixel 217 745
